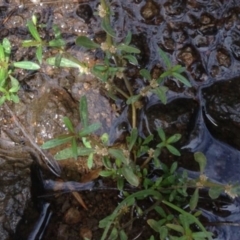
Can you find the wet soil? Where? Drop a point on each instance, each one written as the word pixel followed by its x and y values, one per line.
pixel 204 36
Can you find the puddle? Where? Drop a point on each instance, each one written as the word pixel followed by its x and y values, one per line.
pixel 202 35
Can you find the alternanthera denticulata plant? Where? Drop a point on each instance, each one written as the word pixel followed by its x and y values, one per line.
pixel 130 164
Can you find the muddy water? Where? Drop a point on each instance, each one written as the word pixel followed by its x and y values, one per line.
pixel 202 35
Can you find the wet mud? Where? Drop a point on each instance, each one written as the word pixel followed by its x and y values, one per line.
pixel 203 36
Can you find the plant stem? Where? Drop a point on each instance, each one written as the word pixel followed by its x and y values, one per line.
pixel 121 92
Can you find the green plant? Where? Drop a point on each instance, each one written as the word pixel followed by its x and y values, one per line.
pixel 39 43
pixel 73 136
pixel 9 85
pixel 133 160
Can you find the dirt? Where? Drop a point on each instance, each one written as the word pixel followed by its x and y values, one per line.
pixel 201 35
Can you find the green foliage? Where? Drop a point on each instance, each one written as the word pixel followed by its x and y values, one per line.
pixel 168 142
pixel 9 85
pixel 131 162
pixel 73 137
pixel 39 43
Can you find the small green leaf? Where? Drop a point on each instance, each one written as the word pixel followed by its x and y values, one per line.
pixel 107 27
pixel 31 43
pixel 194 199
pixel 178 68
pixel 90 161
pixel 161 134
pixel 33 30
pixel 146 74
pixel 58 60
pixel 56 142
pixel 2 53
pixel 104 222
pixel 175 227
pixel 165 58
pixel 123 235
pixel 114 234
pixel 132 138
pixel 182 79
pixel 86 42
pixel 68 153
pixel 68 124
pixel 173 167
pixel 57 43
pixel 128 49
pixel 133 99
pixel 57 32
pixel 64 62
pixel 130 176
pixel 173 150
pixel 214 192
pixel 89 129
pixel 106 173
pixel 154 225
pixel 74 148
pixel 86 142
pixel 201 159
pixel 120 184
pixel 7 47
pixel 161 93
pixel 34 19
pixel 15 84
pixel 105 138
pixel 164 75
pixel 163 232
pixel 132 59
pixel 15 98
pixel 160 211
pixel 174 138
pixel 118 154
pixel 107 163
pixel 2 100
pixel 39 54
pixel 128 38
pixel 26 65
pixel 200 235
pixel 83 110
pixel 148 139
